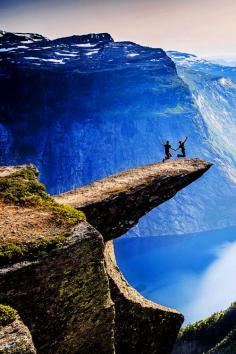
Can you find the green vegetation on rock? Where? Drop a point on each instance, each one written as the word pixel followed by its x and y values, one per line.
pixel 23 189
pixel 7 315
pixel 193 328
pixel 216 334
pixel 12 252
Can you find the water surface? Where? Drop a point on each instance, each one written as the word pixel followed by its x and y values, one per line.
pixel 193 273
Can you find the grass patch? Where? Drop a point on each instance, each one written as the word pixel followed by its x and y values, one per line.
pixel 23 189
pixel 7 315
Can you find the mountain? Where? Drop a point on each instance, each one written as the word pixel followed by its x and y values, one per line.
pixel 84 107
pixel 225 60
pixel 215 97
pixel 192 62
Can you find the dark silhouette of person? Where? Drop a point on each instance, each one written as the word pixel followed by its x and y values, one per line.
pixel 182 147
pixel 167 147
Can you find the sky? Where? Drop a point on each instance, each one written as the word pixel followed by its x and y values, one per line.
pixel 203 27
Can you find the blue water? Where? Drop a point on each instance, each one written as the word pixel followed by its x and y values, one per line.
pixel 193 273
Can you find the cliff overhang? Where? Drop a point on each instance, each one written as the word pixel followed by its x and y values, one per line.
pixel 115 204
pixel 74 287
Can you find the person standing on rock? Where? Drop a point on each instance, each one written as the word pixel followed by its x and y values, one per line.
pixel 182 148
pixel 167 147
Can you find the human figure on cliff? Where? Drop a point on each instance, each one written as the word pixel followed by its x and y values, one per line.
pixel 182 147
pixel 167 147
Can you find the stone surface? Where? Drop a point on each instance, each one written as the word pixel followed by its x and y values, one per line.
pixel 15 338
pixel 64 298
pixel 115 204
pixel 6 171
pixel 141 326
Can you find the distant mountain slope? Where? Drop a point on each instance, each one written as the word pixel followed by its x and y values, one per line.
pixel 214 90
pixel 192 62
pixel 83 107
pixel 213 335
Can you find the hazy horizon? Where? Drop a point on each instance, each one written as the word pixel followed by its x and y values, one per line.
pixel 204 27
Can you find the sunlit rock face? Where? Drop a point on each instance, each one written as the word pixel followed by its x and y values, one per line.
pixel 84 107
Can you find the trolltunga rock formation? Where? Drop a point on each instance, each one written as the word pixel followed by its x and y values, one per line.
pixel 114 204
pixel 59 272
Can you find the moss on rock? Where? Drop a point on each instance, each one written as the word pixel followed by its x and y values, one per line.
pixel 11 253
pixel 22 188
pixel 7 315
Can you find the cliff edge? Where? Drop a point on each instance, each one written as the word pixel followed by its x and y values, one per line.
pixel 115 204
pixel 58 267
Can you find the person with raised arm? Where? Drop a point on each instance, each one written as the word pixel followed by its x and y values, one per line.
pixel 182 147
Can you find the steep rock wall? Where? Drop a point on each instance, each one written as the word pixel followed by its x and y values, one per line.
pixel 141 326
pixel 64 298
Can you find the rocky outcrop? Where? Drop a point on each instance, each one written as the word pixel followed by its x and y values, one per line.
pixel 64 298
pixel 15 337
pixel 215 334
pixel 115 204
pixel 53 273
pixel 140 325
pixel 62 278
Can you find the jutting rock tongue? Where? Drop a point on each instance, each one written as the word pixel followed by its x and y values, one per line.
pixel 115 204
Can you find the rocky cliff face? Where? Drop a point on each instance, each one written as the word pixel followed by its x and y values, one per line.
pixel 84 107
pixel 61 277
pixel 141 326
